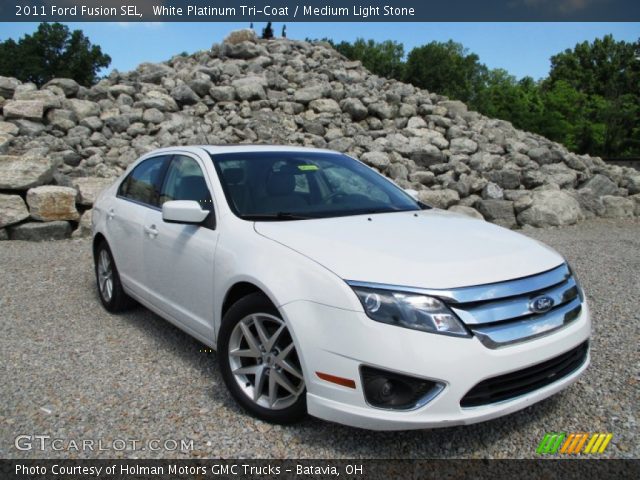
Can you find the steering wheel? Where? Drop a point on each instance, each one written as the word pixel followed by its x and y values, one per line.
pixel 333 196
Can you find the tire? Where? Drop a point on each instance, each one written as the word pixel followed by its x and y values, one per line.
pixel 259 362
pixel 110 290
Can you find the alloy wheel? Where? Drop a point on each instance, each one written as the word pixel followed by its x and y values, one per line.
pixel 264 362
pixel 105 275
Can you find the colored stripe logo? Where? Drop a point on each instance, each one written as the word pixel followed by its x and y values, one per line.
pixel 574 443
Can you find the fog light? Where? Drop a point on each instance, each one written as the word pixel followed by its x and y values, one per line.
pixel 391 390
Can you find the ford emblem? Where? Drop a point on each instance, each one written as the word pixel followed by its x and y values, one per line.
pixel 541 304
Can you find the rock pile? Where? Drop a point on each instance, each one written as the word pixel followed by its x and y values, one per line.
pixel 245 90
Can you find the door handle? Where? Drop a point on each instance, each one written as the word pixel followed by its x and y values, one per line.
pixel 151 230
pixel 110 214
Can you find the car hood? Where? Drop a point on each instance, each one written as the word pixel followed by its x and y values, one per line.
pixel 427 249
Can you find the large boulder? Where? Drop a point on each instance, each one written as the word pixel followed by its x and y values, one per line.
pixel 244 50
pixel 26 109
pixel 618 207
pixel 355 108
pixel 84 225
pixel 325 105
pixel 5 142
pixel 61 119
pixel 12 210
pixel 492 191
pixel 250 88
pixel 8 85
pixel 49 203
pixel 601 185
pixel 48 98
pixel 38 231
pixel 380 160
pixel 439 198
pixel 463 145
pixel 184 95
pixel 8 128
pixel 24 172
pixel 467 211
pixel 310 93
pixel 243 35
pixel 551 208
pixel 160 101
pixel 69 86
pixel 500 212
pixel 223 93
pixel 89 188
pixel 83 108
pixel 154 72
pixel 590 203
pixel 632 184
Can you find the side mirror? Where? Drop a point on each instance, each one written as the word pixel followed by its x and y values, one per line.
pixel 183 211
pixel 412 192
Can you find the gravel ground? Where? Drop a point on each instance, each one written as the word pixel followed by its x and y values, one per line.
pixel 73 371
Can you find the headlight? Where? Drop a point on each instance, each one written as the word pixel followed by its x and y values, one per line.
pixel 575 279
pixel 410 310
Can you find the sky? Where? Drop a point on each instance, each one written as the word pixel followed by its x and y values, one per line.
pixel 523 49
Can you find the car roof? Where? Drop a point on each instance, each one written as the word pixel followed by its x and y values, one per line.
pixel 240 148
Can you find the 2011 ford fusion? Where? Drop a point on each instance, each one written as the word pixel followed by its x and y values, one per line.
pixel 327 289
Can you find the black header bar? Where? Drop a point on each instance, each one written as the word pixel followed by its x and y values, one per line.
pixel 319 10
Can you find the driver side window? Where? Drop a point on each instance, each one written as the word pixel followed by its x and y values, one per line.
pixel 185 181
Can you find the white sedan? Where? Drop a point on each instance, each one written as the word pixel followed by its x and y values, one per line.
pixel 326 289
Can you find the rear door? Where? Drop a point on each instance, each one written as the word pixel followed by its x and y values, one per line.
pixel 179 258
pixel 138 194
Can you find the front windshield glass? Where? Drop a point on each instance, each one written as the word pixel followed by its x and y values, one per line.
pixel 299 185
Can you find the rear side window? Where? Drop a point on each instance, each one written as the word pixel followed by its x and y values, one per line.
pixel 144 182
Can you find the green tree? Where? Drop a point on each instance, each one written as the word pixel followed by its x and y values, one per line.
pixel 446 68
pixel 267 32
pixel 607 72
pixel 52 51
pixel 382 58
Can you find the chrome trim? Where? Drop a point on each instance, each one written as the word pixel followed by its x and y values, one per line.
pixel 429 396
pixel 514 307
pixel 480 293
pixel 507 333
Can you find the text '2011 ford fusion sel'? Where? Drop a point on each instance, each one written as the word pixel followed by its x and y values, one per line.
pixel 327 289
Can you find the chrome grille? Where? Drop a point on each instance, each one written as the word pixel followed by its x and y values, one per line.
pixel 506 316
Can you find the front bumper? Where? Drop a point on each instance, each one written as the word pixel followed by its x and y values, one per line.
pixel 338 342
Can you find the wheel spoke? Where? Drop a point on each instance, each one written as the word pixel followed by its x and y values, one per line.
pixel 246 353
pixel 248 370
pixel 284 382
pixel 287 367
pixel 262 333
pixel 273 389
pixel 274 338
pixel 251 340
pixel 259 383
pixel 285 351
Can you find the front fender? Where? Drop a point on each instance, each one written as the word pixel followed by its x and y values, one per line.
pixel 283 274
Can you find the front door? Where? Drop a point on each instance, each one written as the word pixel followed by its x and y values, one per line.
pixel 179 258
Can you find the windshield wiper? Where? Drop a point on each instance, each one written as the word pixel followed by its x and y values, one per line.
pixel 275 216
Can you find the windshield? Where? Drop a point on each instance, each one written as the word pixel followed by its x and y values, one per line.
pixel 300 185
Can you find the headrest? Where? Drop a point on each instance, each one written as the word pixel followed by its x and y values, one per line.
pixel 233 176
pixel 193 187
pixel 281 183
